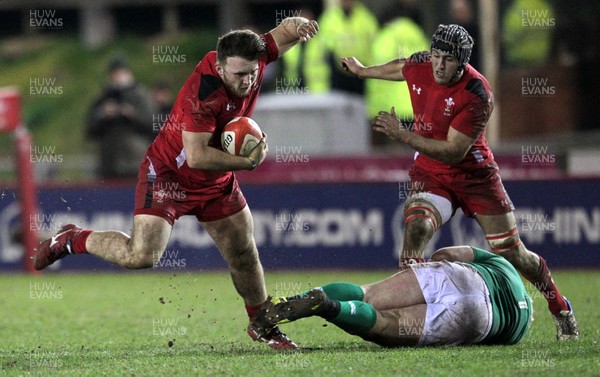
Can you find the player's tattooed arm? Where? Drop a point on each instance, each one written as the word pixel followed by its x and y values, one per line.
pixel 293 30
pixel 451 151
pixel 391 70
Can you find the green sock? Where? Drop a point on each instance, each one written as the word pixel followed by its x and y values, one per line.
pixel 338 291
pixel 343 291
pixel 355 317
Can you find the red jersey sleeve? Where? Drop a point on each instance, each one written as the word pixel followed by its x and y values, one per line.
pixel 411 62
pixel 474 116
pixel 201 120
pixel 202 104
pixel 272 52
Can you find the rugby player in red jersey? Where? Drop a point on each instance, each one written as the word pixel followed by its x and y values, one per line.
pixel 185 171
pixel 454 166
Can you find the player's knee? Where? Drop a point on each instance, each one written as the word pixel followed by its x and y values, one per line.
pixel 142 257
pixel 507 245
pixel 419 228
pixel 138 263
pixel 421 218
pixel 244 257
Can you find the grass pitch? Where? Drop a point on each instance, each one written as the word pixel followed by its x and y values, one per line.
pixel 193 324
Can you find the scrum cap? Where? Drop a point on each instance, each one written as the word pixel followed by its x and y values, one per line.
pixel 454 40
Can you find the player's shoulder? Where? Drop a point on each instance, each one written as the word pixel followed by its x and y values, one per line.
pixel 207 63
pixel 203 92
pixel 210 81
pixel 209 86
pixel 476 86
pixel 417 62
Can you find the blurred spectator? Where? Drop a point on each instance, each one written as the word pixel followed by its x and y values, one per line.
pixel 345 30
pixel 400 37
pixel 463 14
pixel 120 119
pixel 527 28
pixel 163 98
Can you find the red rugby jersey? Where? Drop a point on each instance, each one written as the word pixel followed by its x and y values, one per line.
pixel 203 105
pixel 465 106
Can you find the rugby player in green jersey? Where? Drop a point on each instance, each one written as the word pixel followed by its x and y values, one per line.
pixel 465 295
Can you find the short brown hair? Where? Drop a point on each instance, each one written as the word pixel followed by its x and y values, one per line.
pixel 243 43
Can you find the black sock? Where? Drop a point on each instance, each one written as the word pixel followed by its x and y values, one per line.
pixel 329 309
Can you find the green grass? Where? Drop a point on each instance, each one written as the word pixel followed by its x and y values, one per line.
pixel 115 324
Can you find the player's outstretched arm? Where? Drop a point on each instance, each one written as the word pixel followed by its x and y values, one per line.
pixel 450 151
pixel 454 254
pixel 199 155
pixel 391 70
pixel 293 30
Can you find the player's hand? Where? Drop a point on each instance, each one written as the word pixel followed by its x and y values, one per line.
pixel 389 124
pixel 352 65
pixel 306 31
pixel 259 152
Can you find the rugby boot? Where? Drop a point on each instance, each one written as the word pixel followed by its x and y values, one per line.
pixel 282 309
pixel 261 330
pixel 56 247
pixel 272 336
pixel 566 324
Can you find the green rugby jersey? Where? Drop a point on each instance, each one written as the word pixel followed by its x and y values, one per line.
pixel 511 305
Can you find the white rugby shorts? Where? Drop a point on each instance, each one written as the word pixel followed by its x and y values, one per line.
pixel 459 309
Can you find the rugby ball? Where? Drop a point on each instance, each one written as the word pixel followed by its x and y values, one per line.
pixel 240 136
